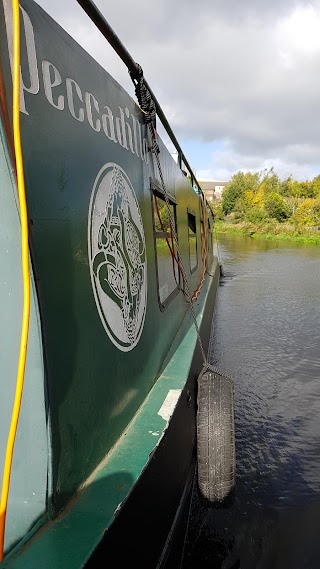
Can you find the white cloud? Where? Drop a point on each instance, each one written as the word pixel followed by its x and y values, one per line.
pixel 226 162
pixel 298 33
pixel 242 73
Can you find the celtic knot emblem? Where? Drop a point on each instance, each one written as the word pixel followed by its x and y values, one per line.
pixel 117 256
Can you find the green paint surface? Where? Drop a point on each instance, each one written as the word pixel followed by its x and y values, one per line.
pixel 93 389
pixel 68 541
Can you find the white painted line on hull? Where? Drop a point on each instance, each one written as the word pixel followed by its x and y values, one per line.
pixel 169 404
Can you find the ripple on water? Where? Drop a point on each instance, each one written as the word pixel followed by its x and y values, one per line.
pixel 267 336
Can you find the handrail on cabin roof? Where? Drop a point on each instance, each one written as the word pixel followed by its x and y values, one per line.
pixel 98 19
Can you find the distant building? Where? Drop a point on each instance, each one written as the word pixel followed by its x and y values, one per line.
pixel 212 188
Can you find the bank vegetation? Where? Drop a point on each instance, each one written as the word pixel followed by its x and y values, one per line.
pixel 261 204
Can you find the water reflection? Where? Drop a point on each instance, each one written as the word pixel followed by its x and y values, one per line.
pixel 267 336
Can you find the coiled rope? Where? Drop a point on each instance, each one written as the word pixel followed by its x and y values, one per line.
pixel 143 95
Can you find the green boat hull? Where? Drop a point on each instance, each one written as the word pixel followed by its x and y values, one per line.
pixel 106 437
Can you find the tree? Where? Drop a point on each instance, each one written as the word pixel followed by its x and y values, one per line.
pixel 270 181
pixel 308 213
pixel 257 196
pixel 316 186
pixel 285 187
pixel 276 206
pixel 306 189
pixel 239 184
pixel 218 211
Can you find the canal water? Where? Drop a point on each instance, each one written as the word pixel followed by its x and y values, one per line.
pixel 266 335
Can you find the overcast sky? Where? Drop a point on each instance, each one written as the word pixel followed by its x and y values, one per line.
pixel 239 81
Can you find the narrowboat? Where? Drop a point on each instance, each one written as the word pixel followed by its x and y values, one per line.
pixel 117 245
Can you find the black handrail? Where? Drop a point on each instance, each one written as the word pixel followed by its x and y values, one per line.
pixel 98 19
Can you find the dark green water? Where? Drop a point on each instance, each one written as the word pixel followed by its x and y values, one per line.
pixel 267 336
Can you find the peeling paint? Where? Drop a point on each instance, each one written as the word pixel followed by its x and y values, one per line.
pixel 169 404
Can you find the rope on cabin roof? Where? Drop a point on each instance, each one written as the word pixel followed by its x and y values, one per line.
pixel 155 150
pixel 149 109
pixel 143 95
pixel 205 363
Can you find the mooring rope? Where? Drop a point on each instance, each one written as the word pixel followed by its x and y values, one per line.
pixel 143 95
pixel 147 106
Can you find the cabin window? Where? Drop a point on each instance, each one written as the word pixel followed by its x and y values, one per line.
pixel 193 254
pixel 168 274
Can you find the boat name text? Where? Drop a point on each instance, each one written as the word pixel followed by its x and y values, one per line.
pixel 123 129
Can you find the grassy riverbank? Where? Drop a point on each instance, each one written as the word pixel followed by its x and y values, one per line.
pixel 269 230
pixel 262 206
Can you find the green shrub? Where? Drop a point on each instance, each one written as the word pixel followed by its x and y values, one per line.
pixel 256 214
pixel 218 211
pixel 308 213
pixel 276 206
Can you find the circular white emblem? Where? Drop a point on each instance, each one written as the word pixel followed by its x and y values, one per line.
pixel 117 256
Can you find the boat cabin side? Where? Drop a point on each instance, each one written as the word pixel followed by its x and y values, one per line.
pixel 107 291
